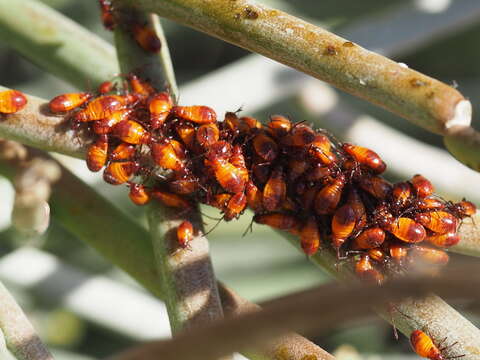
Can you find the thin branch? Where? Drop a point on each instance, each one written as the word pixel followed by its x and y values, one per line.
pixel 56 43
pixel 470 234
pixel 315 51
pixel 35 126
pixel 321 309
pixel 188 282
pixel 20 336
pixel 424 312
pixel 463 142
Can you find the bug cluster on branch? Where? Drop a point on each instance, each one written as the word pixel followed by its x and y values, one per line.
pixel 294 178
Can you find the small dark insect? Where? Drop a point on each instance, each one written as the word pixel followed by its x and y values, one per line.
pixel 107 17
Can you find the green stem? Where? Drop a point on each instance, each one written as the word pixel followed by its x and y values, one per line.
pixel 423 100
pixel 463 142
pixel 20 336
pixel 322 308
pixel 188 282
pixel 425 313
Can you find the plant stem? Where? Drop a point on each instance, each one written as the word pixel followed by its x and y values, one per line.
pixel 35 126
pixel 188 282
pixel 20 336
pixel 423 100
pixel 56 43
pixel 470 235
pixel 463 142
pixel 425 313
pixel 323 308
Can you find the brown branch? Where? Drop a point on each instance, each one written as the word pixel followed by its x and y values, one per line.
pixel 321 309
pixel 423 100
pixel 20 336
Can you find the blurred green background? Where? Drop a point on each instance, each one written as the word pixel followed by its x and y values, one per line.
pixel 260 265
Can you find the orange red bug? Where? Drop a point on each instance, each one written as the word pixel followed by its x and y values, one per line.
pixel 320 148
pixel 207 134
pixel 310 240
pixel 170 199
pixel 327 199
pixel 12 101
pixel 197 114
pixel 139 86
pixel 365 157
pixel 97 154
pixel 443 240
pixel 159 107
pixel 463 209
pixel 101 107
pixel 398 252
pixel 131 132
pixel 277 220
pixel 343 224
pixel 66 102
pixel 424 346
pixel 105 125
pixel 235 206
pixel 408 230
pixel 146 38
pixel 366 270
pixel 185 234
pixel 440 221
pixel 423 187
pixel 300 135
pixel 123 151
pixel 376 186
pixel 184 185
pixel 265 147
pixel 275 190
pixel 139 194
pixel 106 87
pixel 117 173
pixel 279 125
pixel 107 17
pixel 369 238
pixel 401 194
pixel 429 255
pixel 169 154
pixel 254 197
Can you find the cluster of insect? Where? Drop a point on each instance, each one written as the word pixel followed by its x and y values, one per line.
pixel 293 177
pixel 283 171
